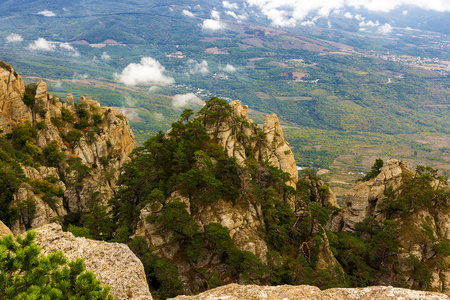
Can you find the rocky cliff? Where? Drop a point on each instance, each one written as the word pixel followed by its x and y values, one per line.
pixel 12 109
pixel 95 142
pixel 250 292
pixel 239 135
pixel 265 178
pixel 362 200
pixel 417 203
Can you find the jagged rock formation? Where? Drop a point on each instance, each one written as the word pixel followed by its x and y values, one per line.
pixel 99 137
pixel 286 292
pixel 243 217
pixel 112 263
pixel 363 199
pixel 239 136
pixel 12 109
pixel 421 231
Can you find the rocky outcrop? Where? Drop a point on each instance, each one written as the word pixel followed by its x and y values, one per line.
pixel 239 136
pixel 4 230
pixel 422 232
pixel 102 144
pixel 243 222
pixel 112 263
pixel 34 211
pixel 13 110
pixel 277 149
pixel 251 292
pixel 363 199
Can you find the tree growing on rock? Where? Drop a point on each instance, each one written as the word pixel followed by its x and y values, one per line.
pixel 24 274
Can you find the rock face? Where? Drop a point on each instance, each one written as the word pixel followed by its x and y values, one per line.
pixel 286 292
pixel 112 263
pixel 12 109
pixel 415 244
pixel 104 143
pixel 241 139
pixel 4 230
pixel 238 135
pixel 362 200
pixel 43 212
pixel 243 223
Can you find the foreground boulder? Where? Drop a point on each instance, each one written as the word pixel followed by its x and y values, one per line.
pixel 251 292
pixel 113 263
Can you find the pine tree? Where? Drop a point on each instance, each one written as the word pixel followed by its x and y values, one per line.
pixel 25 274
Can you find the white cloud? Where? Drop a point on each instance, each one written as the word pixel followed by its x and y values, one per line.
pixel 289 12
pixel 385 29
pixel 215 15
pixel 308 23
pixel 149 70
pixel 348 15
pixel 198 67
pixel 188 13
pixel 237 17
pixel 183 100
pixel 231 13
pixel 214 23
pixel 229 5
pixel 359 17
pixel 369 24
pixel 42 45
pixel 69 48
pixel 46 13
pixel 228 68
pixel 58 84
pixel 405 12
pixel 105 56
pixel 14 38
pixel 210 24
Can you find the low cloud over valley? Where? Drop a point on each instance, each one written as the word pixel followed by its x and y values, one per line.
pixel 149 70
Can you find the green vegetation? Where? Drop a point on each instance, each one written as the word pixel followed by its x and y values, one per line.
pixel 24 274
pixel 424 189
pixel 371 249
pixel 374 171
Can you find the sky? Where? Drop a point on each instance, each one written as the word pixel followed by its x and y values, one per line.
pixel 284 13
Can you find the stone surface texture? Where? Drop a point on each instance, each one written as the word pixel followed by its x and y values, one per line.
pixel 13 110
pixel 4 230
pixel 112 263
pixel 286 292
pixel 363 201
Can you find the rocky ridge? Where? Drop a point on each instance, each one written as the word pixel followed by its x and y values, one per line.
pixel 103 142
